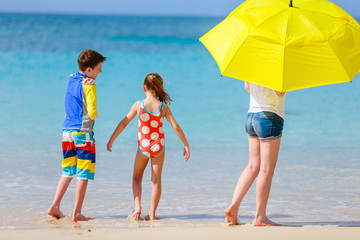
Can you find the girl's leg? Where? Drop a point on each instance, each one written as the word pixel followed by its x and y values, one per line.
pixel 245 181
pixel 79 199
pixel 54 209
pixel 157 163
pixel 139 167
pixel 269 156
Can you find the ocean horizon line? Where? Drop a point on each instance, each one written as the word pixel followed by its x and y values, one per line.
pixel 134 15
pixel 113 14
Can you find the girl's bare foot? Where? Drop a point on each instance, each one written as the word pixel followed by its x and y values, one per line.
pixel 264 222
pixel 79 217
pixel 55 212
pixel 231 215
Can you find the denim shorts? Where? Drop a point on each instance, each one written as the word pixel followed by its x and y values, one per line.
pixel 264 125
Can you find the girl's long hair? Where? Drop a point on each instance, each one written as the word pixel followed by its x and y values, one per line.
pixel 153 82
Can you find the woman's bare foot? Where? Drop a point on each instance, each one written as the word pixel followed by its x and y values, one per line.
pixel 231 215
pixel 151 217
pixel 135 215
pixel 55 212
pixel 264 222
pixel 79 217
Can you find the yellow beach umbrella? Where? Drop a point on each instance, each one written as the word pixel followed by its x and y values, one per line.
pixel 287 45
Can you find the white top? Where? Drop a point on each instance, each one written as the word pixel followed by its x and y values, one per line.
pixel 263 99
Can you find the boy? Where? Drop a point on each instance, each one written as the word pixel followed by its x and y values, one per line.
pixel 78 144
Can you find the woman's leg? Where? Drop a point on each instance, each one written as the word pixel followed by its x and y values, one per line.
pixel 139 167
pixel 157 163
pixel 245 181
pixel 269 155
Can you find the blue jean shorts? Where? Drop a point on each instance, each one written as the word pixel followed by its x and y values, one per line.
pixel 264 125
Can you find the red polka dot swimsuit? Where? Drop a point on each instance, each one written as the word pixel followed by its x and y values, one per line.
pixel 151 135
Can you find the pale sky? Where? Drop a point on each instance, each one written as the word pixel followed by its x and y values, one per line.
pixel 141 7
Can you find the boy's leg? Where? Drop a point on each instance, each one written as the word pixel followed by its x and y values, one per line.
pixel 54 209
pixel 139 168
pixel 157 163
pixel 269 156
pixel 79 199
pixel 85 169
pixel 245 181
pixel 69 169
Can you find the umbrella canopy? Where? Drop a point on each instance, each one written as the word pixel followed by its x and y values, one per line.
pixel 287 45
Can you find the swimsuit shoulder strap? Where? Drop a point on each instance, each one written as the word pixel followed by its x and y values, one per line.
pixel 140 105
pixel 162 109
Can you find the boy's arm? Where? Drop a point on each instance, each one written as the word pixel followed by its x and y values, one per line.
pixel 91 101
pixel 178 131
pixel 122 125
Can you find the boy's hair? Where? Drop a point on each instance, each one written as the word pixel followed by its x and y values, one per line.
pixel 89 58
pixel 153 82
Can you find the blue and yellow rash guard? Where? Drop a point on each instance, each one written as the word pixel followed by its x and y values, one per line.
pixel 80 104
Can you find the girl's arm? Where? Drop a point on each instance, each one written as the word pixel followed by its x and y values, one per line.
pixel 178 131
pixel 122 125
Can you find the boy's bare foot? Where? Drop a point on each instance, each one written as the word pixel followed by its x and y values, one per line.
pixel 55 212
pixel 264 222
pixel 80 217
pixel 231 215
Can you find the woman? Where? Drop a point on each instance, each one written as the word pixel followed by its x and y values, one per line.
pixel 264 125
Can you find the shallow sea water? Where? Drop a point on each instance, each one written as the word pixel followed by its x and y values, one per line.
pixel 317 178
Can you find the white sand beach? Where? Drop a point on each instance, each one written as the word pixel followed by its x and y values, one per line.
pixel 181 233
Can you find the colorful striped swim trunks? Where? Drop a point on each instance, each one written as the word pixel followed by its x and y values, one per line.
pixel 78 154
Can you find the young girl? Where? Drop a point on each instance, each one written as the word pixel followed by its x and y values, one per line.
pixel 151 112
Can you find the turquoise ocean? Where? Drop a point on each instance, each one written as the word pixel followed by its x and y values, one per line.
pixel 317 179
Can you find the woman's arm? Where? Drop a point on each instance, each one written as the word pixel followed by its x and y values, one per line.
pixel 247 87
pixel 122 125
pixel 178 131
pixel 279 93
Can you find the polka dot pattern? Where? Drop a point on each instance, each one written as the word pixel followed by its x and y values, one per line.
pixel 145 117
pixel 145 142
pixel 151 134
pixel 154 123
pixel 154 136
pixel 145 129
pixel 155 148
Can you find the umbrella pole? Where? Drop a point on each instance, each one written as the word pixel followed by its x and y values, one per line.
pixel 291 5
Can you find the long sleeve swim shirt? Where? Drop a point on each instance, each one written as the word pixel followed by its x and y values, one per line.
pixel 80 104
